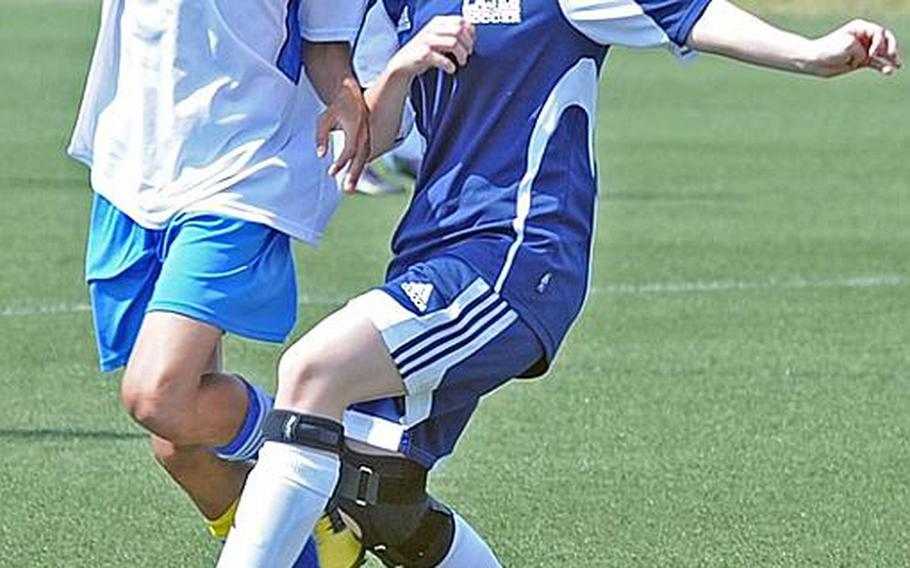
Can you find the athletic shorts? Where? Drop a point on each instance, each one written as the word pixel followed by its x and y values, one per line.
pixel 235 275
pixel 453 339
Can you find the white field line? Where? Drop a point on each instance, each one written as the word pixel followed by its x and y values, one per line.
pixel 792 283
pixel 656 288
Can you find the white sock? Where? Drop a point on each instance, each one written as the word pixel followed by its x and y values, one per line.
pixel 468 549
pixel 284 496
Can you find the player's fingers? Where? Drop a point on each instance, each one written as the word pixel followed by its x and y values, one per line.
pixel 358 163
pixel 467 31
pixel 470 28
pixel 324 127
pixel 460 53
pixel 878 41
pixel 344 157
pixel 466 40
pixel 446 25
pixel 440 61
pixel 880 65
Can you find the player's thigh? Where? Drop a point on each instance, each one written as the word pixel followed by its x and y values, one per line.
pixel 340 361
pixel 218 275
pixel 171 354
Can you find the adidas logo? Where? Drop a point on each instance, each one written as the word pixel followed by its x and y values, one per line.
pixel 419 293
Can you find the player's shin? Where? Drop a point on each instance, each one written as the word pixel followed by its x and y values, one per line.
pixel 286 492
pixel 243 448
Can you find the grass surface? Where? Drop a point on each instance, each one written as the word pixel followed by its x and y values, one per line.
pixel 736 393
pixel 828 7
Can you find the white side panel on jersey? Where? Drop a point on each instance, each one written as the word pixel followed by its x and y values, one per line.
pixel 617 22
pixel 576 88
pixel 376 44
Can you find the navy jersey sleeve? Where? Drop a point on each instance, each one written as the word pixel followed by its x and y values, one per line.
pixel 635 23
pixel 675 17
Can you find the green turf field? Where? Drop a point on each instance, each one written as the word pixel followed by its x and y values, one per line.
pixel 736 394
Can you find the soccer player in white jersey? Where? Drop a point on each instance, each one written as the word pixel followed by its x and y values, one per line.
pixel 491 258
pixel 199 125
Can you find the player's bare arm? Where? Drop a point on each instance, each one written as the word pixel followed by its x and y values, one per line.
pixel 328 65
pixel 728 30
pixel 445 43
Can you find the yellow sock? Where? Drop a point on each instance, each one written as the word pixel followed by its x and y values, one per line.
pixel 335 549
pixel 220 527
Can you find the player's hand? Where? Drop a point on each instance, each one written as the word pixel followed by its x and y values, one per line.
pixel 445 43
pixel 857 45
pixel 349 114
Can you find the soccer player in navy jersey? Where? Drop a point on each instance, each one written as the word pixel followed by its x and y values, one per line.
pixel 491 259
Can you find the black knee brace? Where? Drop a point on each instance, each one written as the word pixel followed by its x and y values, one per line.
pixel 399 522
pixel 303 430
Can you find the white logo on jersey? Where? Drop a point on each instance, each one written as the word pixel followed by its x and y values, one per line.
pixel 492 11
pixel 544 283
pixel 419 293
pixel 404 22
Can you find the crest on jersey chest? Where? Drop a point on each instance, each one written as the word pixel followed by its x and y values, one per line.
pixel 492 11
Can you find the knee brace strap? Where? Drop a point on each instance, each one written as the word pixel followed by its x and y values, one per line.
pixel 399 522
pixel 303 430
pixel 371 480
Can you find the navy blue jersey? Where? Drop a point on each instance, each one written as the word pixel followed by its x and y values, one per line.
pixel 508 182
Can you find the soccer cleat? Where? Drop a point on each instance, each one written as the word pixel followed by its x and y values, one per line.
pixel 336 544
pixel 387 175
pixel 377 180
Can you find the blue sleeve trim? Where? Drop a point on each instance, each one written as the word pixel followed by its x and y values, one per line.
pixel 289 61
pixel 693 14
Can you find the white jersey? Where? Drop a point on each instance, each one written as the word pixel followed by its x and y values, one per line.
pixel 202 106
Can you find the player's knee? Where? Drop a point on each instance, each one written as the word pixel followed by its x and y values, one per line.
pixel 306 378
pixel 152 400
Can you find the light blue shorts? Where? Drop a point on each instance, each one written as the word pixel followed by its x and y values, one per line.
pixel 235 275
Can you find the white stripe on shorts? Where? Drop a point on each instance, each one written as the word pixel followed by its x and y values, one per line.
pixel 434 343
pixel 398 325
pixel 427 379
pixel 372 430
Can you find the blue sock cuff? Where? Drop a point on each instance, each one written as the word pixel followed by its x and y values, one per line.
pixel 245 445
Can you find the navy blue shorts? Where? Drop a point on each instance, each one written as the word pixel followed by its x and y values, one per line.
pixel 453 339
pixel 232 274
